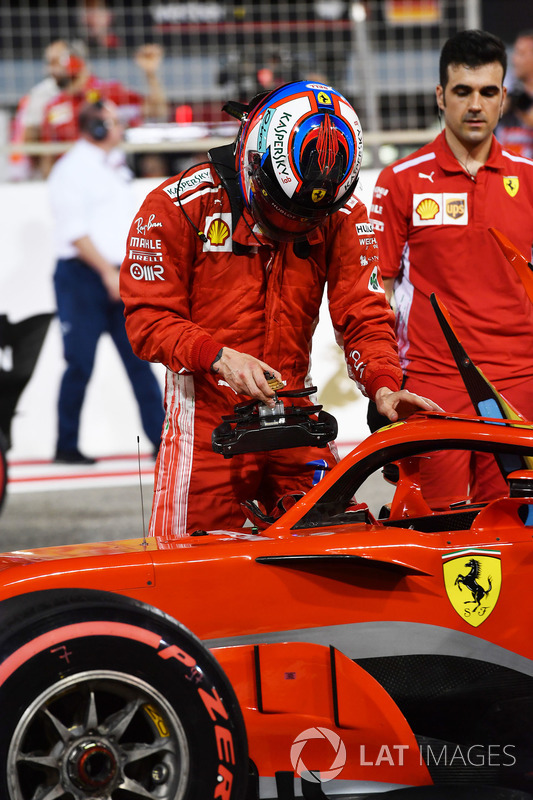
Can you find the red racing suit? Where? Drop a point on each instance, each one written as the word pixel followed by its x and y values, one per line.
pixel 432 220
pixel 197 277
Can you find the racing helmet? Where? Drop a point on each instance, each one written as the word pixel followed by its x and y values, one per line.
pixel 298 156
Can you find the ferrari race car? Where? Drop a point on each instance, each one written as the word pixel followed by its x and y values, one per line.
pixel 345 649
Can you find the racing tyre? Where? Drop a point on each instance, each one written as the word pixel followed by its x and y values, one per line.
pixel 105 697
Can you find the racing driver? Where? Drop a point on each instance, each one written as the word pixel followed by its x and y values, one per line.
pixel 222 282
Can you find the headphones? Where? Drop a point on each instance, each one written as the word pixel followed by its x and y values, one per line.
pixel 97 129
pixel 95 126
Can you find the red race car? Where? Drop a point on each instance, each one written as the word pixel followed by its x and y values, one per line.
pixel 339 650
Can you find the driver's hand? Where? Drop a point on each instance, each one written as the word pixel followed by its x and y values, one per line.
pixel 246 375
pixel 398 405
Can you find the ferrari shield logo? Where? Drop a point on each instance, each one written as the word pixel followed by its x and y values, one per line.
pixel 473 580
pixel 511 184
pixel 317 194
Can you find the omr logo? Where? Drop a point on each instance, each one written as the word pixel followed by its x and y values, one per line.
pixel 318 775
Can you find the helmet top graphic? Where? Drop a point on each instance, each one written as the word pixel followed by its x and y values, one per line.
pixel 298 156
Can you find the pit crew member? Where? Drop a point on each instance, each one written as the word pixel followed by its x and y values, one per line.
pixel 431 215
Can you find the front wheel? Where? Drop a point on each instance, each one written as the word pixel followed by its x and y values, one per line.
pixel 105 697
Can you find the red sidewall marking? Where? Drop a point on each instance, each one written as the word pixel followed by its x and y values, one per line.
pixel 76 631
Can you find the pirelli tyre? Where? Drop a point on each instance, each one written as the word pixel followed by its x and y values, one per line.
pixel 104 697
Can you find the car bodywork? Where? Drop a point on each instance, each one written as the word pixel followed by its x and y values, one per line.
pixel 369 651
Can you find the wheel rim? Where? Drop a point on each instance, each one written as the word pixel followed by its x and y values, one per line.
pixel 99 734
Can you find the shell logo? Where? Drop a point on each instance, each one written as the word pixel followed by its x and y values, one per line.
pixel 218 232
pixel 427 208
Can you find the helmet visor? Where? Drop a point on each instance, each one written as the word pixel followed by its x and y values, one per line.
pixel 278 224
pixel 282 224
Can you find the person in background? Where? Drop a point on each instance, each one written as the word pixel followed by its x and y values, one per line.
pixel 245 245
pixel 92 204
pixel 431 214
pixel 515 129
pixel 29 116
pixel 97 21
pixel 56 58
pixel 61 114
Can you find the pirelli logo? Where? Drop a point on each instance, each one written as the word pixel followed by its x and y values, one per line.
pixel 142 255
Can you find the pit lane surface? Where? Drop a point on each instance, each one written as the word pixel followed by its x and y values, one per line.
pixel 50 504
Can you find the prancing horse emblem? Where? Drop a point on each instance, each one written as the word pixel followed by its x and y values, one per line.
pixel 473 580
pixel 470 581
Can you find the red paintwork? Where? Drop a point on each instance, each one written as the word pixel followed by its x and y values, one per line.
pixel 214 585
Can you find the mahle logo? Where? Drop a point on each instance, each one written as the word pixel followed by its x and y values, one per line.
pixel 335 751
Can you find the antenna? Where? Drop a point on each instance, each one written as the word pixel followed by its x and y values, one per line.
pixel 144 542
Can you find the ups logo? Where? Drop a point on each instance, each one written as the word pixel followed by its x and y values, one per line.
pixel 455 208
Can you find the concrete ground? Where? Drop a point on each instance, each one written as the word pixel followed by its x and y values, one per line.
pixel 48 504
pixel 44 519
pixel 49 518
